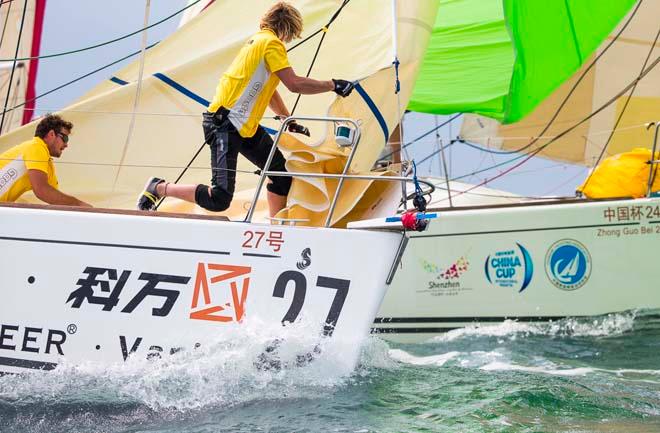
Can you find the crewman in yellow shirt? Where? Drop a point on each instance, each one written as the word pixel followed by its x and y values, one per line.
pixel 231 124
pixel 29 166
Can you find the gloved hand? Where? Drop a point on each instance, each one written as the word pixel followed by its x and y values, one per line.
pixel 298 128
pixel 343 88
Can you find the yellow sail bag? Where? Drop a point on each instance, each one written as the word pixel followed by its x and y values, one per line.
pixel 622 175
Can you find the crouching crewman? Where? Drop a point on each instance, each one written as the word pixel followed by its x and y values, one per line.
pixel 29 165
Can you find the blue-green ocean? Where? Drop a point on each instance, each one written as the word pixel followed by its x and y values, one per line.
pixel 575 375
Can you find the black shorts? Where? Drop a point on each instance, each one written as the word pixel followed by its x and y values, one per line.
pixel 226 143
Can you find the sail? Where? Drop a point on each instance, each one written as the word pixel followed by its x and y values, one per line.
pixel 19 88
pixel 194 10
pixel 113 150
pixel 620 64
pixel 500 58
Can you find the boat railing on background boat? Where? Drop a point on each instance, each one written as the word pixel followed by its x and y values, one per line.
pixel 653 162
pixel 342 177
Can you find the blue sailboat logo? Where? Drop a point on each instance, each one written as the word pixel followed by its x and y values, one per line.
pixel 569 272
pixel 568 264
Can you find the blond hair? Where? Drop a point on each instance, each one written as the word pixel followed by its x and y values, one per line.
pixel 284 20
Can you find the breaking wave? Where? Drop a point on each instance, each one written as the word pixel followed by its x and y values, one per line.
pixel 599 326
pixel 227 373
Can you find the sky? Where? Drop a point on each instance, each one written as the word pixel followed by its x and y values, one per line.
pixel 75 24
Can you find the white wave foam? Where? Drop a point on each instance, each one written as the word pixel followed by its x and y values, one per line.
pixel 506 328
pixel 623 371
pixel 612 324
pixel 407 358
pixel 503 366
pixel 220 374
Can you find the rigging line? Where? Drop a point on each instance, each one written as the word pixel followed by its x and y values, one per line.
pixel 566 182
pixel 110 164
pixel 16 94
pixel 309 71
pixel 185 169
pixel 603 131
pixel 623 110
pixel 435 152
pixel 482 161
pixel 438 144
pixel 426 134
pixel 321 29
pixel 318 48
pixel 555 138
pixel 400 117
pixel 87 75
pixel 4 83
pixel 73 81
pixel 13 68
pixel 4 26
pixel 142 113
pixel 518 198
pixel 492 157
pixel 601 108
pixel 336 14
pixel 138 90
pixel 579 80
pixel 487 149
pixel 46 56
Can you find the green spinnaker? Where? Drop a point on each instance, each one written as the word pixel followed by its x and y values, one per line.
pixel 501 58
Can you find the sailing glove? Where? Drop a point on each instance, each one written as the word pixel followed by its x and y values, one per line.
pixel 298 128
pixel 343 88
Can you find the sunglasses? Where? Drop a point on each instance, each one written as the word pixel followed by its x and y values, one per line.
pixel 64 137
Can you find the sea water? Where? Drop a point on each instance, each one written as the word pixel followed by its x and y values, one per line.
pixel 589 375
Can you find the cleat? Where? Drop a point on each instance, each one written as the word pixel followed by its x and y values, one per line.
pixel 149 198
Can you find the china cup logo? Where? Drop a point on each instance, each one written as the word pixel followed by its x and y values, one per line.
pixel 568 264
pixel 510 268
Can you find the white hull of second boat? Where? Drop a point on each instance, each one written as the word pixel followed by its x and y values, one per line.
pixel 524 262
pixel 94 287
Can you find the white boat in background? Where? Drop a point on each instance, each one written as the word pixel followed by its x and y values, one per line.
pixel 483 260
pixel 524 262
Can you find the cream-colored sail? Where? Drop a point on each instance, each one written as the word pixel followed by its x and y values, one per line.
pixel 194 10
pixel 107 163
pixel 615 70
pixel 17 86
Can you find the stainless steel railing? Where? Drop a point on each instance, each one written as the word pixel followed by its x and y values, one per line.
pixel 342 177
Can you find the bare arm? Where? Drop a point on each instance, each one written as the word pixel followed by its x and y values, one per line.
pixel 303 85
pixel 277 105
pixel 47 193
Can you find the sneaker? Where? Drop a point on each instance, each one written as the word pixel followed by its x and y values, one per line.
pixel 149 197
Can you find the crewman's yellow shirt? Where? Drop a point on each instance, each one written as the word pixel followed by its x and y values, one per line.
pixel 14 166
pixel 246 87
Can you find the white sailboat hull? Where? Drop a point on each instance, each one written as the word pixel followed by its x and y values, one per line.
pixel 524 262
pixel 86 286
